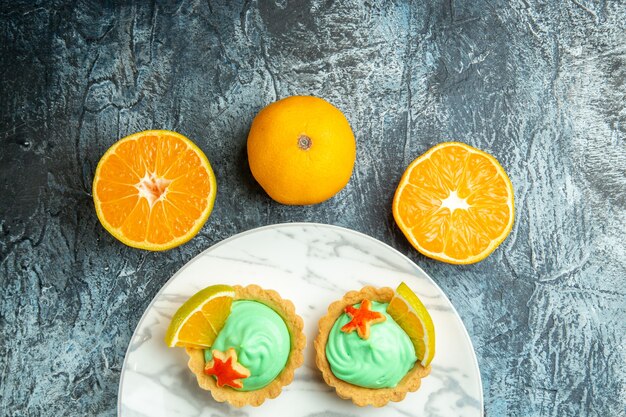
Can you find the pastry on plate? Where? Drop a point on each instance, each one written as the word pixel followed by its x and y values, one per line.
pixel 243 343
pixel 375 345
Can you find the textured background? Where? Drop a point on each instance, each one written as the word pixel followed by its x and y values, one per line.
pixel 539 85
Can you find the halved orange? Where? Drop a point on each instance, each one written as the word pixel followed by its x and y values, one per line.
pixel 154 190
pixel 198 321
pixel 407 310
pixel 455 203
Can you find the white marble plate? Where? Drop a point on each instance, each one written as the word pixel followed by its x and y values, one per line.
pixel 312 265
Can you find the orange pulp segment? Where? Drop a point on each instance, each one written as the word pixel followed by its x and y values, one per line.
pixel 154 190
pixel 455 203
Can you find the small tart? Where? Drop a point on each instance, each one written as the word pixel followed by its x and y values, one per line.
pixel 362 396
pixel 287 311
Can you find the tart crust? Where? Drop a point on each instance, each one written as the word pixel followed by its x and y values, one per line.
pixel 295 324
pixel 362 396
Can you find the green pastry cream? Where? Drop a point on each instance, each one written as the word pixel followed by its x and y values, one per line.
pixel 379 361
pixel 261 339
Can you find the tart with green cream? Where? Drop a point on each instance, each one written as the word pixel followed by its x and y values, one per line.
pixel 251 344
pixel 375 345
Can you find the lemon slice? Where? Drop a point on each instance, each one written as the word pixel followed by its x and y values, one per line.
pixel 409 312
pixel 198 321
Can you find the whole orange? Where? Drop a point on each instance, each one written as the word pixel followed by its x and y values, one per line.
pixel 301 150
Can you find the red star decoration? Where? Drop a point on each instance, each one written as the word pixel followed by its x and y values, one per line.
pixel 226 369
pixel 362 318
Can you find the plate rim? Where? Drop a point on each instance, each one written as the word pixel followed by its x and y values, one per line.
pixel 295 224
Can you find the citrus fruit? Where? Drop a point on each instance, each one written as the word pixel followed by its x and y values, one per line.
pixel 454 203
pixel 198 321
pixel 154 190
pixel 301 150
pixel 408 311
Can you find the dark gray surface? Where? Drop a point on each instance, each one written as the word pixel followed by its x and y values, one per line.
pixel 540 86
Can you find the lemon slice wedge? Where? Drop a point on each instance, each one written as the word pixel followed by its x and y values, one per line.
pixel 411 314
pixel 198 321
